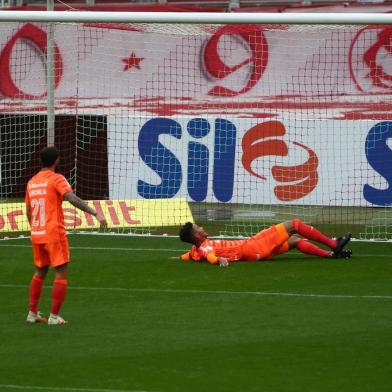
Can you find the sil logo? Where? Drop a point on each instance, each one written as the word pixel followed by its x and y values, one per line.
pixel 370 59
pixel 265 139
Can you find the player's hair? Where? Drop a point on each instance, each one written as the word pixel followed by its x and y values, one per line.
pixel 48 156
pixel 186 233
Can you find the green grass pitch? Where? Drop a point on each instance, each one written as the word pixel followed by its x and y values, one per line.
pixel 139 321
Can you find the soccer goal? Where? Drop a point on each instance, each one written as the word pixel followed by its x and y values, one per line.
pixel 234 120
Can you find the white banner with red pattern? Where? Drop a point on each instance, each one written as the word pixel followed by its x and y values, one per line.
pixel 201 65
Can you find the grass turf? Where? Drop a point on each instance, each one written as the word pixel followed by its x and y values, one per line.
pixel 142 322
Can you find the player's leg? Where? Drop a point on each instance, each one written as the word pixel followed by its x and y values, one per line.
pixel 41 262
pixel 59 260
pixel 283 248
pixel 59 292
pixel 297 242
pixel 307 247
pixel 264 245
pixel 296 226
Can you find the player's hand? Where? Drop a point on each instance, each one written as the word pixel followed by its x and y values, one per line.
pixel 102 221
pixel 223 262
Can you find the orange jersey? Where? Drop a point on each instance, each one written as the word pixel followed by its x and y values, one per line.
pixel 228 249
pixel 44 196
pixel 264 245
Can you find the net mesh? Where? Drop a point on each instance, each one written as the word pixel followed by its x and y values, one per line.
pixel 251 124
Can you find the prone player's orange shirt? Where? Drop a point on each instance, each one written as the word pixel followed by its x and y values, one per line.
pixel 264 245
pixel 229 249
pixel 44 195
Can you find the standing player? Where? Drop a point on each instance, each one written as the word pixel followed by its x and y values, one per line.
pixel 45 193
pixel 264 245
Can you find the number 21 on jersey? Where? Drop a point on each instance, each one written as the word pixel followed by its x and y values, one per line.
pixel 38 212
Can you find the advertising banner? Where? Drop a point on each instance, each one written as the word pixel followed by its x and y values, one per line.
pixel 282 161
pixel 119 214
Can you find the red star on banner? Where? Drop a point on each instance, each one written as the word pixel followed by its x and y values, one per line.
pixel 132 61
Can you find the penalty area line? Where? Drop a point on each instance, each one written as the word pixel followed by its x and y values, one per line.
pixel 215 292
pixel 64 389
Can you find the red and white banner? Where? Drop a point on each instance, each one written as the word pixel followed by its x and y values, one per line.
pixel 242 70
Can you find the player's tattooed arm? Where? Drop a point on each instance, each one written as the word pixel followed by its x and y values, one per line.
pixel 82 205
pixel 28 213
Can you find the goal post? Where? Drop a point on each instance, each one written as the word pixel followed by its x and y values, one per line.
pixel 237 121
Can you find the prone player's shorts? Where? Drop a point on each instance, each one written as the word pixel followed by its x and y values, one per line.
pixel 51 254
pixel 266 244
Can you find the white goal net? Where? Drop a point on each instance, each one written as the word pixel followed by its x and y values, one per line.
pixel 236 126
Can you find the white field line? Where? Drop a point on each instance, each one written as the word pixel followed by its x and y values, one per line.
pixel 103 248
pixel 110 234
pixel 164 250
pixel 214 292
pixel 59 389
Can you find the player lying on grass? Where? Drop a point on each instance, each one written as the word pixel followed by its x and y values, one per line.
pixel 265 245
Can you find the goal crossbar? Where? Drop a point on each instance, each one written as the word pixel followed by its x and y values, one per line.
pixel 195 18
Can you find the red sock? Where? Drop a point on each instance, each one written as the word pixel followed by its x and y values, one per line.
pixel 312 234
pixel 58 294
pixel 36 285
pixel 310 249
